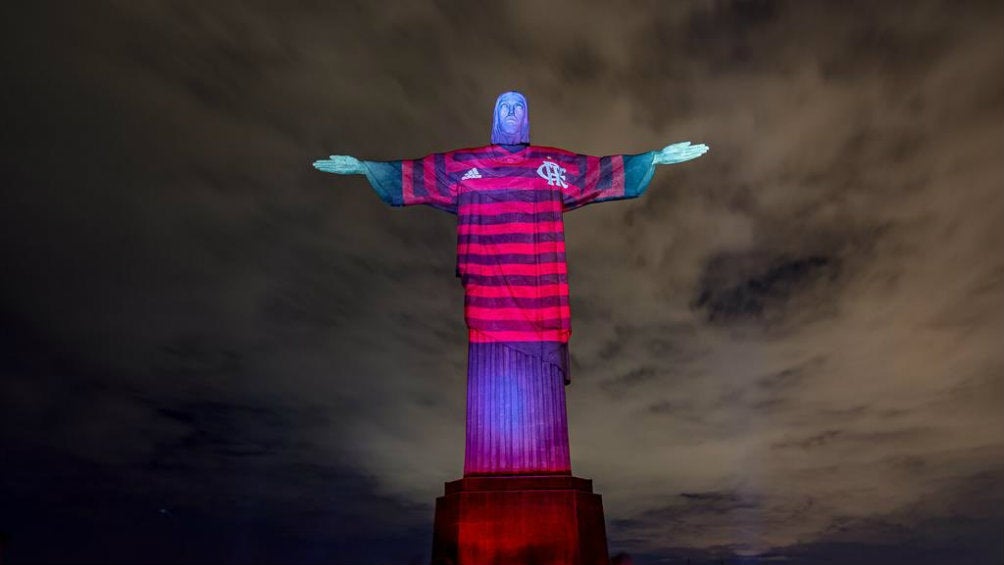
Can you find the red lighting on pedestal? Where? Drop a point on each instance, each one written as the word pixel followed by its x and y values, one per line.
pixel 520 520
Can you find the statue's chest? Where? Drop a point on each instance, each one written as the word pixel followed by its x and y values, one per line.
pixel 503 204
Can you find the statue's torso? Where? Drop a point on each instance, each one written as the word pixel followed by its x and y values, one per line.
pixel 510 246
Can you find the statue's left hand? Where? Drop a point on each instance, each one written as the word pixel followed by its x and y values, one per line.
pixel 679 152
pixel 340 165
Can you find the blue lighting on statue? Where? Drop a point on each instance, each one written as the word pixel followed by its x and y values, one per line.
pixel 511 120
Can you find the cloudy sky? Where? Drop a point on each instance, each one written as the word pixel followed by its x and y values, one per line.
pixel 787 351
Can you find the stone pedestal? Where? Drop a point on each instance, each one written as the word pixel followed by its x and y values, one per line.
pixel 520 520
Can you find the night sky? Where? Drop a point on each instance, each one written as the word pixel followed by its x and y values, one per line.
pixel 787 351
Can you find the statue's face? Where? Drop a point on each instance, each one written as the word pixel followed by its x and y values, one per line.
pixel 511 110
pixel 511 123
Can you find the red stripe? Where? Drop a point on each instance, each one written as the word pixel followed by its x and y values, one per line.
pixel 429 172
pixel 407 183
pixel 514 269
pixel 617 182
pixel 511 248
pixel 482 336
pixel 592 171
pixel 515 227
pixel 531 315
pixel 516 206
pixel 518 291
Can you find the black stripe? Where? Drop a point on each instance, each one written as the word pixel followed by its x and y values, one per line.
pixel 515 280
pixel 606 173
pixel 418 179
pixel 439 172
pixel 509 258
pixel 522 237
pixel 509 218
pixel 517 194
pixel 518 325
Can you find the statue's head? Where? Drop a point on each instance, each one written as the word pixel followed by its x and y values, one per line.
pixel 511 121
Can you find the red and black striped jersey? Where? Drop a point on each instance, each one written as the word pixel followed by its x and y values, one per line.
pixel 510 233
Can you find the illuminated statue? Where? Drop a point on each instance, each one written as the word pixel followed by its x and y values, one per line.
pixel 509 198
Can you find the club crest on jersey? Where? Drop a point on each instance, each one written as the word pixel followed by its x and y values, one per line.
pixel 552 173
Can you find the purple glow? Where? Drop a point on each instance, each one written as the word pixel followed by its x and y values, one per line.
pixel 516 418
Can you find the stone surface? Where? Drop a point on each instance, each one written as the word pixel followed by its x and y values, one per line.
pixel 516 416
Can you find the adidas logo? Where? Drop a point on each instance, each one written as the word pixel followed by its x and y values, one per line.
pixel 471 174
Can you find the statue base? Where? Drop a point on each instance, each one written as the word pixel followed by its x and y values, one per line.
pixel 525 520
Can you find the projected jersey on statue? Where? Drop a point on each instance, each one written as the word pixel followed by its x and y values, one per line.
pixel 510 198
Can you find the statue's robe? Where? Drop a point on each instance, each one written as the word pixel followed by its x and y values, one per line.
pixel 509 202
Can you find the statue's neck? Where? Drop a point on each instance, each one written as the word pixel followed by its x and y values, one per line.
pixel 513 147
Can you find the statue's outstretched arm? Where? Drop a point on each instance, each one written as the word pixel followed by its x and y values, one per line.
pixel 341 165
pixel 401 183
pixel 616 177
pixel 678 153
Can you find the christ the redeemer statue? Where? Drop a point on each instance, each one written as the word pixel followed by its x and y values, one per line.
pixel 510 198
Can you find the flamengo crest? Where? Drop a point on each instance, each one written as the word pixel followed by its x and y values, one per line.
pixel 552 173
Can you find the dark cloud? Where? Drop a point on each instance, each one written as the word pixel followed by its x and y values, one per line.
pixel 717 502
pixel 747 287
pixel 616 385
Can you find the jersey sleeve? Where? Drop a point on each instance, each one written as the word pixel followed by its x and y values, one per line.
pixel 414 181
pixel 614 177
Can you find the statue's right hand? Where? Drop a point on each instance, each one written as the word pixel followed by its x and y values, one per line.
pixel 340 165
